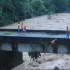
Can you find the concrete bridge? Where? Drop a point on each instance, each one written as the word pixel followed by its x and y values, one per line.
pixel 32 36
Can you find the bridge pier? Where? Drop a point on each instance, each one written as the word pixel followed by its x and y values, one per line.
pixel 68 48
pixel 0 45
pixel 14 46
pixel 55 48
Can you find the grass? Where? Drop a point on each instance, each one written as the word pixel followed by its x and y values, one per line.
pixel 7 33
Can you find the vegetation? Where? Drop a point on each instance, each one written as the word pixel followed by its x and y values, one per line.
pixel 34 54
pixel 17 10
pixel 11 11
pixel 44 45
pixel 7 33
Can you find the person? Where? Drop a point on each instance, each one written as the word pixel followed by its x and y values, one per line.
pixel 54 46
pixel 53 41
pixel 25 28
pixel 67 32
pixel 19 27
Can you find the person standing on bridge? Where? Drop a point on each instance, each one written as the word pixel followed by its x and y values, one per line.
pixel 19 27
pixel 54 46
pixel 24 28
pixel 67 32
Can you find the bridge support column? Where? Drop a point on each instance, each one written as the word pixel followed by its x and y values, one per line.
pixel 68 48
pixel 14 46
pixel 0 45
pixel 55 49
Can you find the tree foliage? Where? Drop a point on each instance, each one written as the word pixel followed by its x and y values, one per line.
pixel 34 54
pixel 11 11
pixel 16 10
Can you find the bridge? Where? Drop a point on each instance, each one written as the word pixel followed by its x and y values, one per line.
pixel 32 36
pixel 12 39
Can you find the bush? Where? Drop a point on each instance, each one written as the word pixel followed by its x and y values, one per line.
pixel 34 54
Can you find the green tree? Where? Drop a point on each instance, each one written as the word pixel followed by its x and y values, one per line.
pixel 17 10
pixel 38 7
pixel 11 11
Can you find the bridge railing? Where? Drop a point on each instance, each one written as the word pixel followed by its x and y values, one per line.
pixel 29 30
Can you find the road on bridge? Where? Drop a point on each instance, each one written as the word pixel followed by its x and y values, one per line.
pixel 32 34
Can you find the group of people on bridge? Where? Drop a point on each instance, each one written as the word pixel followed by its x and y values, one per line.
pixel 21 27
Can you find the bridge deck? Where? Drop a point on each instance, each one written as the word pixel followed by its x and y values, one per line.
pixel 33 34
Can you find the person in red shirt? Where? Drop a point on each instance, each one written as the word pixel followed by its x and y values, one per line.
pixel 24 28
pixel 67 32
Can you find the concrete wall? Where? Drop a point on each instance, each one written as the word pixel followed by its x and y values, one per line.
pixel 23 47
